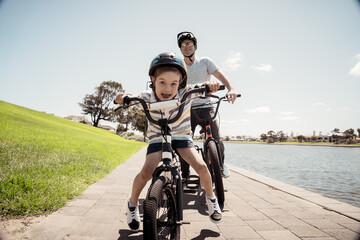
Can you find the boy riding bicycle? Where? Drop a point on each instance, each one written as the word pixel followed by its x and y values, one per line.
pixel 169 79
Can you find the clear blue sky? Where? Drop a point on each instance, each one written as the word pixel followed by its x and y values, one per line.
pixel 295 62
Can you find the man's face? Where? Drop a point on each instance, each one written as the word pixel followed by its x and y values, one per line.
pixel 187 47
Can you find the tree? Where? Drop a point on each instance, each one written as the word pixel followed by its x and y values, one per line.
pixel 123 117
pixel 349 135
pixel 97 105
pixel 358 130
pixel 336 130
pixel 301 138
pixel 335 135
pixel 281 136
pixel 133 117
pixel 271 138
pixel 138 120
pixel 263 137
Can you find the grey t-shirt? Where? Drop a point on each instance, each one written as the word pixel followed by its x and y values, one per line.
pixel 200 71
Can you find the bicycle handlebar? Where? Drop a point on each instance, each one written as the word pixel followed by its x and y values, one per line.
pixel 165 104
pixel 224 98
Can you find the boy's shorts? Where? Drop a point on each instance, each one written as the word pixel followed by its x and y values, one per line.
pixel 155 147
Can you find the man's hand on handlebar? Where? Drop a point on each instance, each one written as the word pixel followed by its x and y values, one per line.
pixel 213 86
pixel 232 95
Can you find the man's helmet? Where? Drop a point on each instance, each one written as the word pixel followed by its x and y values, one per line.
pixel 169 60
pixel 184 36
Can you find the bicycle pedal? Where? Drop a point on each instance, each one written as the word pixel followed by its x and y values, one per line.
pixel 193 182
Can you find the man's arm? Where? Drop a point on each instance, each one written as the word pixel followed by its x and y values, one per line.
pixel 232 94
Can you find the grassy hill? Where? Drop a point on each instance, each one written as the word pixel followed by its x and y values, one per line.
pixel 46 160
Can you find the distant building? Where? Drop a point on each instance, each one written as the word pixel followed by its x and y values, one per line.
pixel 80 119
pixel 322 138
pixel 106 127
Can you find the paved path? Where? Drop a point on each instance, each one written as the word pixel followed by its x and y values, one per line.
pixel 256 207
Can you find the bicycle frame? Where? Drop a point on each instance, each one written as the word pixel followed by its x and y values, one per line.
pixel 169 165
pixel 208 133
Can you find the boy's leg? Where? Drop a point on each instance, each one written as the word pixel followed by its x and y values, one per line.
pixel 194 159
pixel 191 156
pixel 133 215
pixel 152 161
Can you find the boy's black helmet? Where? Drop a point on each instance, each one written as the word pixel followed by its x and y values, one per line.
pixel 170 60
pixel 184 36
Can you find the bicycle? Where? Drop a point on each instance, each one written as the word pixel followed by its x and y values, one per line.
pixel 163 212
pixel 211 153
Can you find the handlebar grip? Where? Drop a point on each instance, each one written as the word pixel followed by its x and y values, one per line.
pixel 221 87
pixel 126 100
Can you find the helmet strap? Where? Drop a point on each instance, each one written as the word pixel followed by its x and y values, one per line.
pixel 190 56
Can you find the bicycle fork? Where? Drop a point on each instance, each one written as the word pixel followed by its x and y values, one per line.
pixel 171 172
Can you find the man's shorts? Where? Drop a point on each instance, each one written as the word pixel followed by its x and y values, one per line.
pixel 155 147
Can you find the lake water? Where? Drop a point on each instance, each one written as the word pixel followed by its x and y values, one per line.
pixel 330 171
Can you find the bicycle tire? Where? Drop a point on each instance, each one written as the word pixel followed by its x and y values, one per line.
pixel 160 212
pixel 215 171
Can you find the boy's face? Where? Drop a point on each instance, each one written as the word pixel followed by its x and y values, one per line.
pixel 166 85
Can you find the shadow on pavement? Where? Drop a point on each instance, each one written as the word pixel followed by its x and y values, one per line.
pixel 127 234
pixel 206 233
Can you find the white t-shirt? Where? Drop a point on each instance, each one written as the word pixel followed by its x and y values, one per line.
pixel 200 71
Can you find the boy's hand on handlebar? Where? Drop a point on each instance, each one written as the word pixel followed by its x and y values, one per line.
pixel 120 98
pixel 231 95
pixel 213 86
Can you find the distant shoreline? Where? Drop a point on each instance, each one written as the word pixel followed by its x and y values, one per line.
pixel 302 144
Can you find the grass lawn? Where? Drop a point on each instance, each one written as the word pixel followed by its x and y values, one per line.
pixel 46 160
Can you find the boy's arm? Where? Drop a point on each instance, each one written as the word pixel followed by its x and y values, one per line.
pixel 144 95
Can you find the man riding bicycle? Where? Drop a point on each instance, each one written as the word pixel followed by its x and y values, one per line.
pixel 199 70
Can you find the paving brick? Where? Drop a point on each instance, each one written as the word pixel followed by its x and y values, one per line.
pixel 239 232
pixel 264 225
pixel 278 235
pixel 305 231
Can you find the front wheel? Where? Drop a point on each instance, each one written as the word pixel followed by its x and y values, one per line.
pixel 215 171
pixel 160 212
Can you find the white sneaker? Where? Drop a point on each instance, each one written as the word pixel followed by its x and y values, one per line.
pixel 214 210
pixel 225 171
pixel 133 217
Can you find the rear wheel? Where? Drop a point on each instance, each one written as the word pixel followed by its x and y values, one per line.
pixel 215 171
pixel 160 212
